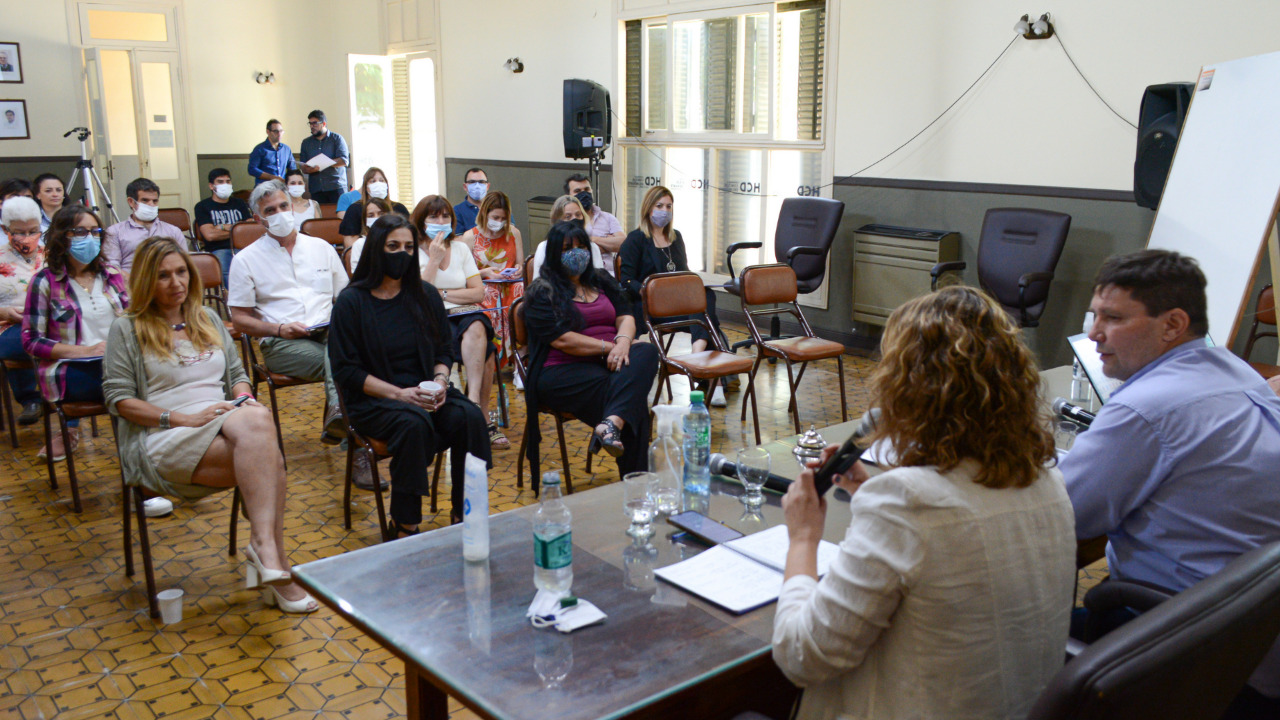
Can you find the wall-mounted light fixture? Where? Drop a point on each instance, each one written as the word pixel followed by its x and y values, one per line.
pixel 1041 29
pixel 514 65
pixel 266 78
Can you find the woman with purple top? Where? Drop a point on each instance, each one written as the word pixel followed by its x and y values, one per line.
pixel 581 357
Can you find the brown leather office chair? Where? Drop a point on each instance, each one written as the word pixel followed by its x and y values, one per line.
pixel 374 450
pixel 1264 314
pixel 520 340
pixel 181 219
pixel 802 239
pixel 1185 658
pixel 324 228
pixel 776 285
pixel 676 295
pixel 1017 254
pixel 244 233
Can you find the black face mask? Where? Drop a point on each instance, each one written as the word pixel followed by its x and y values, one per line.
pixel 396 264
pixel 585 198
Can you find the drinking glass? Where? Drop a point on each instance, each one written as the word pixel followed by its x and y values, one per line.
pixel 753 470
pixel 638 503
pixel 666 493
pixel 1064 434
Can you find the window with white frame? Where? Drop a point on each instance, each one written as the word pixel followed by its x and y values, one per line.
pixel 725 108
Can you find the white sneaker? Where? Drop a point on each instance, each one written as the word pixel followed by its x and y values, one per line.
pixel 717 397
pixel 517 382
pixel 157 507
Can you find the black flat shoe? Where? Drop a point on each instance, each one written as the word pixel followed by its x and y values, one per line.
pixel 610 440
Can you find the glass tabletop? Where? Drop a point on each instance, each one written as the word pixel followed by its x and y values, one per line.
pixel 464 624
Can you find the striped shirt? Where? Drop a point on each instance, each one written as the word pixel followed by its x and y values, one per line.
pixel 53 316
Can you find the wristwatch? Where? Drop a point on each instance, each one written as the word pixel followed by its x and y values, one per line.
pixel 164 420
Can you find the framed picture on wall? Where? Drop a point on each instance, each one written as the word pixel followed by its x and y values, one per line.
pixel 10 63
pixel 13 120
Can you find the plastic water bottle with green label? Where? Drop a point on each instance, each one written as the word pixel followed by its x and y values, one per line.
pixel 552 539
pixel 697 447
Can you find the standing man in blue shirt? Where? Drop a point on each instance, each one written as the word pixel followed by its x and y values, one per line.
pixel 476 183
pixel 328 184
pixel 1179 470
pixel 271 159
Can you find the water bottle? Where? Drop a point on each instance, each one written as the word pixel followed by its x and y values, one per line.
pixel 697 447
pixel 552 539
pixel 475 510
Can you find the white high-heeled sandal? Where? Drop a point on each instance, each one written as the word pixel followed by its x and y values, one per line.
pixel 272 597
pixel 256 575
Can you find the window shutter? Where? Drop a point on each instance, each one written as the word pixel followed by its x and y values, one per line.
pixel 809 79
pixel 720 48
pixel 633 40
pixel 404 129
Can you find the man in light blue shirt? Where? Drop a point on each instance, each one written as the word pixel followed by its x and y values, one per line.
pixel 271 159
pixel 1181 468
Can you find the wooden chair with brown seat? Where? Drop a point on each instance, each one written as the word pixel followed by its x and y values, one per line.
pixel 324 228
pixel 258 373
pixel 244 233
pixel 1264 314
pixel 329 210
pixel 68 411
pixel 7 413
pixel 375 450
pixel 181 219
pixel 677 300
pixel 776 285
pixel 215 296
pixel 133 499
pixel 520 340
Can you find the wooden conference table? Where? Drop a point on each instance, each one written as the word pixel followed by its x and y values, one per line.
pixel 461 630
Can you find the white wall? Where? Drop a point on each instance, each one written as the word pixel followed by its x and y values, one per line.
pixel 1032 120
pixel 51 77
pixel 492 113
pixel 304 43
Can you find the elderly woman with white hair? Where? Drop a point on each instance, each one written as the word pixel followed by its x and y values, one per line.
pixel 19 261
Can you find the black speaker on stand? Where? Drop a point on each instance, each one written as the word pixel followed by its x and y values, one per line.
pixel 588 124
pixel 1164 108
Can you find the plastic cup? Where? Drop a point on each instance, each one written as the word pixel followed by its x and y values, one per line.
pixel 170 605
pixel 430 386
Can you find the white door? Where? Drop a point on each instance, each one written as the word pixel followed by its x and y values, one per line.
pixel 162 129
pixel 109 79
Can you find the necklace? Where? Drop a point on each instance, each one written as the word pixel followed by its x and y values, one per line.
pixel 180 326
pixel 671 263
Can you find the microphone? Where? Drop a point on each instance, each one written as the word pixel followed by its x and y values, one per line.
pixel 1072 412
pixel 720 465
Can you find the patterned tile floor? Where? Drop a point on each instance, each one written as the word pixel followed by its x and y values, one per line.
pixel 75 638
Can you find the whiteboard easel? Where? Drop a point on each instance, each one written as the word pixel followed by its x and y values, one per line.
pixel 1220 201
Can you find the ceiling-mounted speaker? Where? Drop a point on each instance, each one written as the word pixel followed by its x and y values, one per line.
pixel 1164 109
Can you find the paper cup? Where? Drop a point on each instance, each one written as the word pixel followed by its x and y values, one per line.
pixel 430 386
pixel 170 605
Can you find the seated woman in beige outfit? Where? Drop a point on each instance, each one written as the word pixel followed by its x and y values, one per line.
pixel 170 373
pixel 951 593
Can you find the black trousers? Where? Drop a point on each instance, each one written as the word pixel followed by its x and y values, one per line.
pixel 591 392
pixel 414 437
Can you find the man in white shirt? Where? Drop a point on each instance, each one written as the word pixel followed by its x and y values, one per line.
pixel 282 289
pixel 605 230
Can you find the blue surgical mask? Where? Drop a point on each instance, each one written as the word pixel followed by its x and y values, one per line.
pixel 575 261
pixel 434 229
pixel 85 249
pixel 660 218
pixel 477 190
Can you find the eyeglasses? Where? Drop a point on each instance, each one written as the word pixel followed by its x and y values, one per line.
pixel 315 122
pixel 24 233
pixel 86 232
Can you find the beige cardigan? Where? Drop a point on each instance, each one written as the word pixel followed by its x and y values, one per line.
pixel 124 377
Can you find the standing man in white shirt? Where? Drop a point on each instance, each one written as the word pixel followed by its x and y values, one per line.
pixel 282 290
pixel 604 229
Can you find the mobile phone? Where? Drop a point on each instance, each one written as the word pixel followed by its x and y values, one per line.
pixel 240 401
pixel 838 464
pixel 704 528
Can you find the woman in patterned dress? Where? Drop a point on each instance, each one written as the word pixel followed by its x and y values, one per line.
pixel 498 250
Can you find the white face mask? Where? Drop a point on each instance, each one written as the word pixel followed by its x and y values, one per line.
pixel 495 226
pixel 280 224
pixel 368 222
pixel 378 190
pixel 297 190
pixel 145 212
pixel 223 191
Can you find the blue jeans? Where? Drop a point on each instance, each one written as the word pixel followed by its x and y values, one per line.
pixel 224 258
pixel 84 384
pixel 22 381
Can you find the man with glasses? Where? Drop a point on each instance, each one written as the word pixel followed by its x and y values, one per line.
pixel 271 159
pixel 328 184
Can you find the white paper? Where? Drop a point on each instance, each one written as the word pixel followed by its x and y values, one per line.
pixel 322 162
pixel 770 548
pixel 881 454
pixel 731 580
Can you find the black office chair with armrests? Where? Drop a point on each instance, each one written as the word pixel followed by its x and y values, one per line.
pixel 1017 254
pixel 806 228
pixel 1185 658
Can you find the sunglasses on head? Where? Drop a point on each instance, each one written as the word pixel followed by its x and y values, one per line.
pixel 86 232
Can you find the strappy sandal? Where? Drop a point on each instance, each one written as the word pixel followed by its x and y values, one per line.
pixel 395 532
pixel 610 440
pixel 497 440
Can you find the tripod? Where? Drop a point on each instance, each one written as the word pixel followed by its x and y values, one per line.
pixel 91 180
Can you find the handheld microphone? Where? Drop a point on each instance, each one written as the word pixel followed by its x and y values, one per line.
pixel 1072 412
pixel 720 465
